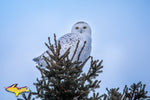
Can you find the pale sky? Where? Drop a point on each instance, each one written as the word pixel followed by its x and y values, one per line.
pixel 120 36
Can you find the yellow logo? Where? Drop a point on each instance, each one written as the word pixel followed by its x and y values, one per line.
pixel 17 90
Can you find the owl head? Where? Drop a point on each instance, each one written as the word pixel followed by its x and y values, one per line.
pixel 81 28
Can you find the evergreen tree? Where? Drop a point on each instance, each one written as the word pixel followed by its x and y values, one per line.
pixel 135 92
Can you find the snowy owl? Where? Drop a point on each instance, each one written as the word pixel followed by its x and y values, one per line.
pixel 80 31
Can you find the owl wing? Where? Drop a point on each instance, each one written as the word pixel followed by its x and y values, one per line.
pixel 68 38
pixel 66 41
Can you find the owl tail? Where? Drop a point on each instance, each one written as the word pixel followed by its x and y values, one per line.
pixel 36 59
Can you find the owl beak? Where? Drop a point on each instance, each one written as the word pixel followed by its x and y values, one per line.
pixel 81 31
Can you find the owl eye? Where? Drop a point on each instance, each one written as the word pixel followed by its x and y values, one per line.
pixel 84 27
pixel 77 27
